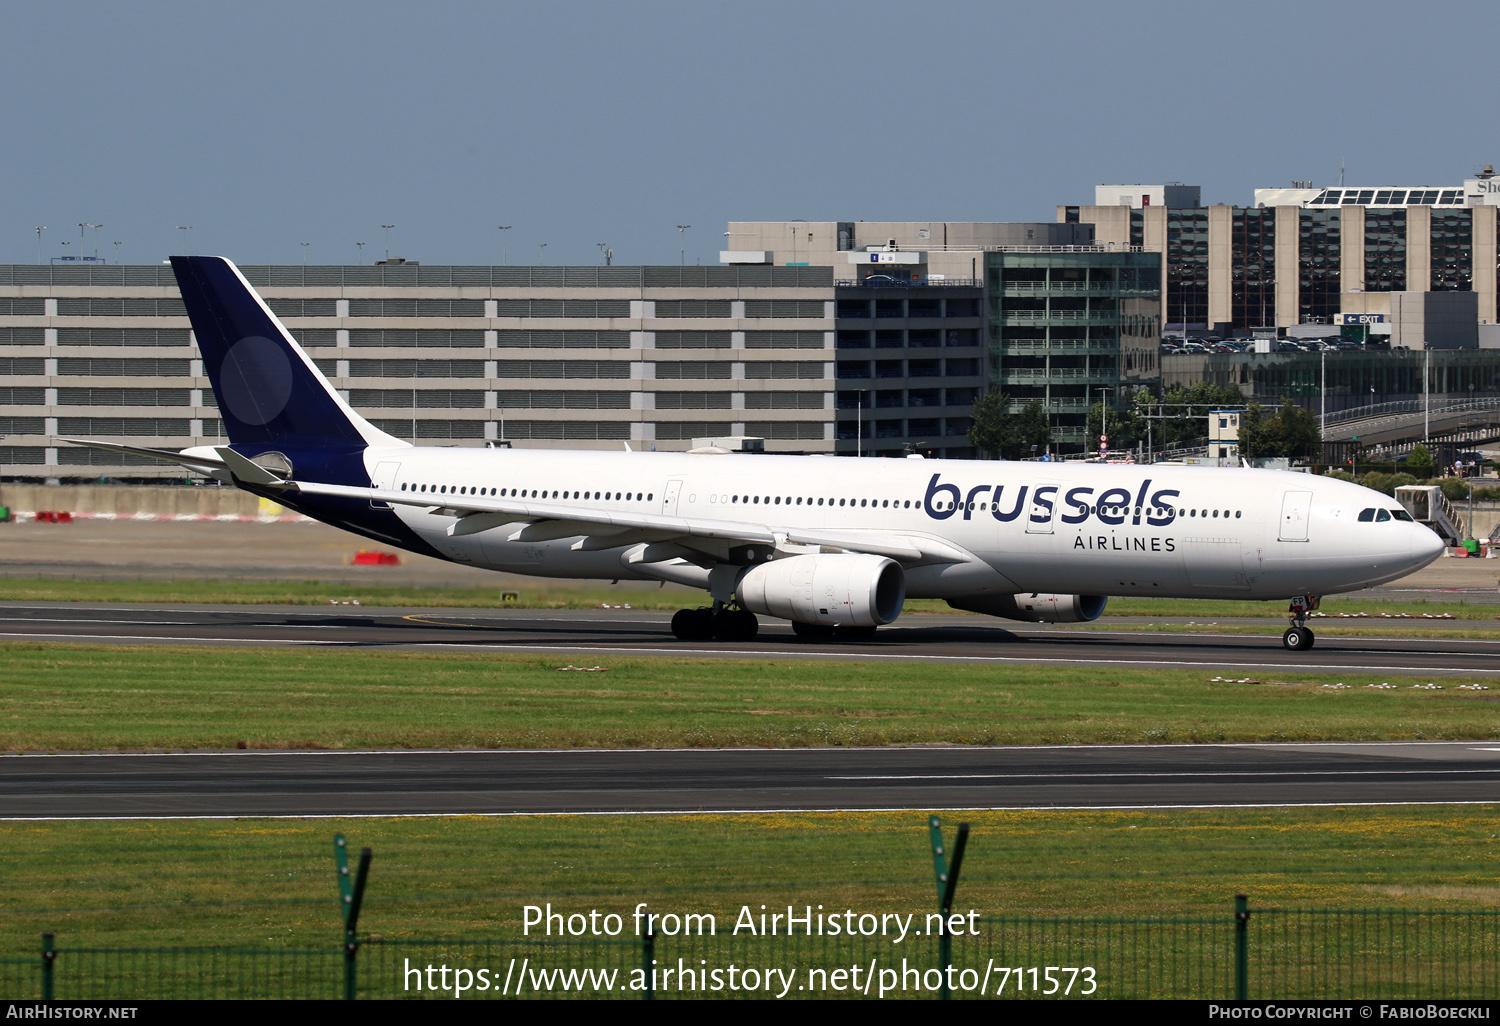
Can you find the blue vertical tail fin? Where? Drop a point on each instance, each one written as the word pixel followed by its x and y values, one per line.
pixel 269 391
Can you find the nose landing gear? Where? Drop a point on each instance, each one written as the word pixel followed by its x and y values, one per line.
pixel 1297 637
pixel 718 622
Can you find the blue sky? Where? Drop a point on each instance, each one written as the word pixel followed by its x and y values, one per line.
pixel 271 124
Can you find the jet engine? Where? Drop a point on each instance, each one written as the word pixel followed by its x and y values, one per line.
pixel 834 589
pixel 1036 607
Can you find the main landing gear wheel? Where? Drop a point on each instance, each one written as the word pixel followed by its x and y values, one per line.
pixel 693 624
pixel 714 624
pixel 735 625
pixel 1297 639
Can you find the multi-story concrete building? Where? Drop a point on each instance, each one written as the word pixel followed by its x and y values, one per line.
pixel 566 357
pixel 1304 255
pixel 901 250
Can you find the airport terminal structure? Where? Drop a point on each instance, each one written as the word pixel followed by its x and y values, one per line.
pixel 838 337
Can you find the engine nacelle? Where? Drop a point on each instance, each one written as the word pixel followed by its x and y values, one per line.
pixel 1035 607
pixel 842 590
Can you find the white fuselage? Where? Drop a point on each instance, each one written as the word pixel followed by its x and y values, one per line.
pixel 1030 527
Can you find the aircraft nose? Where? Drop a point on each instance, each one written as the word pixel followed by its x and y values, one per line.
pixel 1425 545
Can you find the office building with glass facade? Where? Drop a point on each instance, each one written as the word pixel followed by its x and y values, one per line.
pixel 1071 329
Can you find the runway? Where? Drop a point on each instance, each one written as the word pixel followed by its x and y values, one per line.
pixel 300 784
pixel 622 632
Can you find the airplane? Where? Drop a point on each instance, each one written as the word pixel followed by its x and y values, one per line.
pixel 834 545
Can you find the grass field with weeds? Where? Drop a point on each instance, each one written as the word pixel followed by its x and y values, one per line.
pixel 272 882
pixel 84 697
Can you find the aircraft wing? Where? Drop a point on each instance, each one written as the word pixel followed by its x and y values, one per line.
pixel 544 521
pixel 193 461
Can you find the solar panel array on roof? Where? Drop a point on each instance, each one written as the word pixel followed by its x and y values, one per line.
pixel 1391 197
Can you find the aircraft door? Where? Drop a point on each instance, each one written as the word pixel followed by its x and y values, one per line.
pixel 669 499
pixel 384 478
pixel 1043 510
pixel 1295 509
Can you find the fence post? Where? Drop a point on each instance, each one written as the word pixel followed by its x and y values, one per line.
pixel 351 896
pixel 1241 948
pixel 947 883
pixel 648 963
pixel 49 956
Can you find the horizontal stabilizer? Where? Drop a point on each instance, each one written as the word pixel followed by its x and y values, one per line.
pixel 193 461
pixel 248 472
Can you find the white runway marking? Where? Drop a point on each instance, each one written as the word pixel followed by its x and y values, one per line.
pixel 1207 773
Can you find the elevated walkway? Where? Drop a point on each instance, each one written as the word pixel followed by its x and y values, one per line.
pixel 1452 420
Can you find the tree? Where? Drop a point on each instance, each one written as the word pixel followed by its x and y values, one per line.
pixel 1290 432
pixel 1420 463
pixel 1300 433
pixel 1033 430
pixel 1010 436
pixel 988 430
pixel 1257 439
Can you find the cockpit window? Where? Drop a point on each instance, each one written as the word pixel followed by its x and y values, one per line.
pixel 1366 515
pixel 1401 514
pixel 1382 515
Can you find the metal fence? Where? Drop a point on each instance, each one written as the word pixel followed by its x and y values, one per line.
pixel 1266 953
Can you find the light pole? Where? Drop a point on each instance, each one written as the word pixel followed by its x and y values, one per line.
pixel 184 229
pixel 682 239
pixel 84 226
pixel 117 251
pixel 602 247
pixel 793 229
pixel 503 228
pixel 304 246
pixel 361 247
pixel 39 229
pixel 387 228
pixel 1322 393
pixel 1103 417
pixel 541 252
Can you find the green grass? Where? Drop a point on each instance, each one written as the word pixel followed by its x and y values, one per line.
pixel 571 595
pixel 272 882
pixel 70 697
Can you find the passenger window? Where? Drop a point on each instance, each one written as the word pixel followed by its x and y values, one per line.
pixel 1382 515
pixel 1236 514
pixel 1366 516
